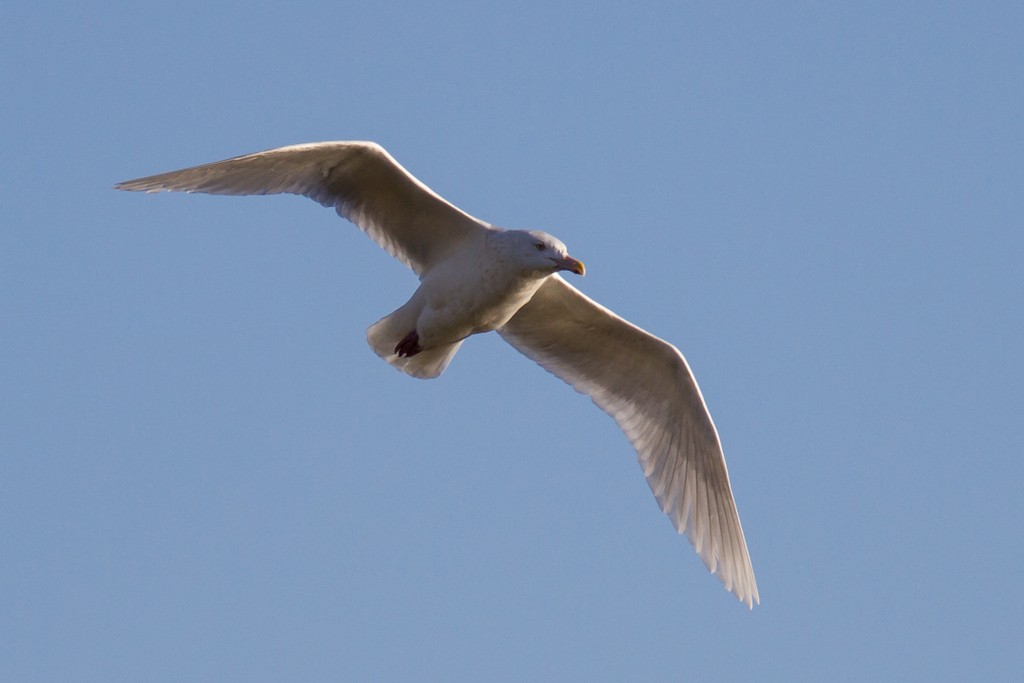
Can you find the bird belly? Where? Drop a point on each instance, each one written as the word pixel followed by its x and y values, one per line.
pixel 452 315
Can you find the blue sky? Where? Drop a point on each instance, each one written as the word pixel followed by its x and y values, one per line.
pixel 206 474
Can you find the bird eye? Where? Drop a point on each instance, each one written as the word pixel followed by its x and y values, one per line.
pixel 539 246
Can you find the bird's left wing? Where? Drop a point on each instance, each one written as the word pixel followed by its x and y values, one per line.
pixel 646 385
pixel 359 179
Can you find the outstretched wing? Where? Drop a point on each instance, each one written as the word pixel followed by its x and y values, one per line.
pixel 359 179
pixel 646 385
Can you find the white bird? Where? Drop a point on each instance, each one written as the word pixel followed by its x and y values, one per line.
pixel 476 278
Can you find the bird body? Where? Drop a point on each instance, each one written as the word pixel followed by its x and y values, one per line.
pixel 452 312
pixel 477 278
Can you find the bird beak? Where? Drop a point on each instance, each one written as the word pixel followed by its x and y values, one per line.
pixel 570 264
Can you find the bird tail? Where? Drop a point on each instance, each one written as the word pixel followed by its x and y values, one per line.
pixel 385 334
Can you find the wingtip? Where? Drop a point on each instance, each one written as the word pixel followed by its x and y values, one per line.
pixel 138 186
pixel 750 598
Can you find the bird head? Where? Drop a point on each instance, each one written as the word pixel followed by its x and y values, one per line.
pixel 540 252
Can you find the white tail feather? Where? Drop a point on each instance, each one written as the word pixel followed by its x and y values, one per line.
pixel 385 334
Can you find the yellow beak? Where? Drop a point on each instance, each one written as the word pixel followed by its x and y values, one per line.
pixel 572 265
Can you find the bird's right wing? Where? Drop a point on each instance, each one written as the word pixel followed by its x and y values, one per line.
pixel 646 385
pixel 359 179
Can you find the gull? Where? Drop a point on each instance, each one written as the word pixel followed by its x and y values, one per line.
pixel 476 278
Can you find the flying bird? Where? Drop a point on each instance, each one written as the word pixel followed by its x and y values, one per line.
pixel 476 278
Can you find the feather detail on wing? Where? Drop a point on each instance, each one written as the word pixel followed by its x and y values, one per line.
pixel 646 385
pixel 360 180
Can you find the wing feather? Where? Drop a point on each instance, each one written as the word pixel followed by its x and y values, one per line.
pixel 360 180
pixel 646 385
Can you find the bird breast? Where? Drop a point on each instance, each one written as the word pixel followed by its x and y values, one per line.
pixel 470 296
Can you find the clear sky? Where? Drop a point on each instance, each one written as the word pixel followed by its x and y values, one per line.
pixel 206 474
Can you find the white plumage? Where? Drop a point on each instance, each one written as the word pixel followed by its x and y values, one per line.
pixel 476 278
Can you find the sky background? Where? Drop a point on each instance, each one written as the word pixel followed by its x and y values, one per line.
pixel 206 474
